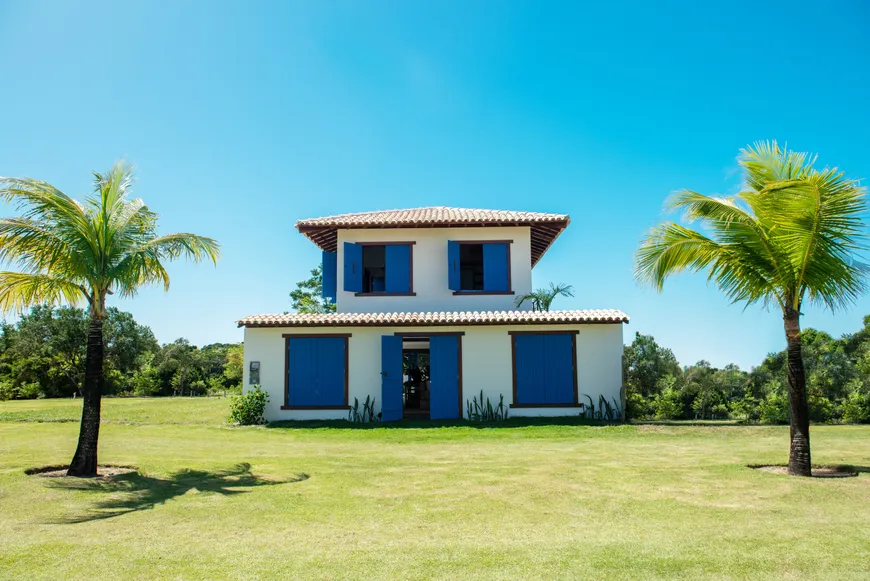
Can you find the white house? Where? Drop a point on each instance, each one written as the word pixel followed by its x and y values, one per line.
pixel 426 320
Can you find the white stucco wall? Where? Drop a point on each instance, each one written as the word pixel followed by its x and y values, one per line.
pixel 430 270
pixel 486 364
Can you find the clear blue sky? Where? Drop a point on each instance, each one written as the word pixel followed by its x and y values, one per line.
pixel 244 117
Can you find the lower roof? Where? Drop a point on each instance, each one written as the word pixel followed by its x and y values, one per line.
pixel 594 316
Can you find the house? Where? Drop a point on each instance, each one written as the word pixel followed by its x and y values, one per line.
pixel 426 320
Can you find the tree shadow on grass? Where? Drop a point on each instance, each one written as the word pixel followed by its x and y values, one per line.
pixel 133 492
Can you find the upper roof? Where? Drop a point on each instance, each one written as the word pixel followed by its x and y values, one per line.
pixel 435 318
pixel 544 227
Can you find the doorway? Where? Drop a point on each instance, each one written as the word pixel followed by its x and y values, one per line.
pixel 415 379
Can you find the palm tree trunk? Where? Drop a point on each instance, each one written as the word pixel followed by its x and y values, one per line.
pixel 799 413
pixel 84 462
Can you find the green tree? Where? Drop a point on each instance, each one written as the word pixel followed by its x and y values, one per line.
pixel 72 252
pixel 790 236
pixel 308 296
pixel 542 298
pixel 645 363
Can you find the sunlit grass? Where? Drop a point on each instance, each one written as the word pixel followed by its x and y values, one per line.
pixel 451 502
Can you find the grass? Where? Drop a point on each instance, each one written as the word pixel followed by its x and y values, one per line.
pixel 527 500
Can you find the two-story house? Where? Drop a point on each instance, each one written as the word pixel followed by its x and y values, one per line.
pixel 427 318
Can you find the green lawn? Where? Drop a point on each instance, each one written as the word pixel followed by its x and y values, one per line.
pixel 455 502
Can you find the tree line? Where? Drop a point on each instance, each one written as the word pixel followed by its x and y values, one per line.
pixel 837 371
pixel 43 355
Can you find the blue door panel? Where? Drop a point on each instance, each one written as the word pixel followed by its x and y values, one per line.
pixel 353 271
pixel 330 371
pixel 330 275
pixel 529 364
pixel 392 403
pixel 301 381
pixel 444 377
pixel 559 369
pixel 495 267
pixel 453 280
pixel 398 259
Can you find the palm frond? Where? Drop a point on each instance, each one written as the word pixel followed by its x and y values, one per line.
pixel 21 290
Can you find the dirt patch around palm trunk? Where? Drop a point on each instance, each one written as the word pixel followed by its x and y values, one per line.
pixel 835 471
pixel 105 471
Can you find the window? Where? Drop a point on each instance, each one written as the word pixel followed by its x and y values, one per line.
pixel 372 269
pixel 479 267
pixel 316 375
pixel 544 369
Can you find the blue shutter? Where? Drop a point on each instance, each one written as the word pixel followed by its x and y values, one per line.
pixel 453 281
pixel 392 404
pixel 353 271
pixel 558 370
pixel 444 377
pixel 529 369
pixel 330 371
pixel 302 379
pixel 330 275
pixel 495 267
pixel 316 371
pixel 398 259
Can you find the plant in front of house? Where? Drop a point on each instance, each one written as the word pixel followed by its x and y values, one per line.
pixel 69 252
pixel 542 298
pixel 247 409
pixel 365 414
pixel 605 412
pixel 792 236
pixel 480 410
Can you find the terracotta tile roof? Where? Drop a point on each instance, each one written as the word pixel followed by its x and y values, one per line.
pixel 544 227
pixel 435 319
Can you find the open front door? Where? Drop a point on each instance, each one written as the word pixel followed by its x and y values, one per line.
pixel 391 378
pixel 444 365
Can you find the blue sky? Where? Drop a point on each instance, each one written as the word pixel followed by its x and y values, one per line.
pixel 244 117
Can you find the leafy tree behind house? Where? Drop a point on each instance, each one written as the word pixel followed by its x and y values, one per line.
pixel 308 295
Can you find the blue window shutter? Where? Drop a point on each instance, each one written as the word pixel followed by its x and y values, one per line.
pixel 392 405
pixel 495 267
pixel 558 371
pixel 316 368
pixel 529 369
pixel 398 258
pixel 353 271
pixel 330 275
pixel 444 381
pixel 453 281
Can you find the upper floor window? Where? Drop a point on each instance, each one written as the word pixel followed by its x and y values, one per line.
pixel 378 268
pixel 479 266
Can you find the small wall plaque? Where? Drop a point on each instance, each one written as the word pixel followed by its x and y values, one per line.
pixel 254 375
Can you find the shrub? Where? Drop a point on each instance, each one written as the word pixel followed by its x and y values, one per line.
pixel 855 407
pixel 29 391
pixel 364 415
pixel 477 410
pixel 773 409
pixel 247 409
pixel 668 405
pixel 604 412
pixel 636 406
pixel 7 390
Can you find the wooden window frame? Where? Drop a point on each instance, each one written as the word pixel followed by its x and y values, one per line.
pixel 411 292
pixel 287 337
pixel 513 336
pixel 510 277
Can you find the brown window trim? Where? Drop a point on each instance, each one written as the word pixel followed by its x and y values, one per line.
pixel 411 292
pixel 510 275
pixel 385 294
pixel 315 407
pixel 287 337
pixel 412 334
pixel 513 336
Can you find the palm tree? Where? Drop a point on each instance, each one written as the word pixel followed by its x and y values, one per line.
pixel 542 298
pixel 68 252
pixel 791 235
